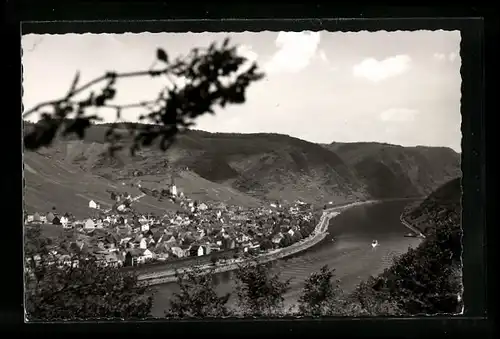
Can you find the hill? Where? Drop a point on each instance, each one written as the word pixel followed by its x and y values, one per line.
pixel 258 166
pixel 244 169
pixel 50 183
pixel 392 171
pixel 436 207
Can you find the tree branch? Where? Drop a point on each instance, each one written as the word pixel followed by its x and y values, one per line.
pixel 91 83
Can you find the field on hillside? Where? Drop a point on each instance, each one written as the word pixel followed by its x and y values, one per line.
pixel 51 183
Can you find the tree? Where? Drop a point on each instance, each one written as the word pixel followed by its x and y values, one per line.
pixel 266 245
pixel 318 293
pixel 213 259
pixel 259 292
pixel 368 301
pixel 197 297
pixel 212 77
pixel 84 290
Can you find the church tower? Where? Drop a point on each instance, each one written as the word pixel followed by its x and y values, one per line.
pixel 173 188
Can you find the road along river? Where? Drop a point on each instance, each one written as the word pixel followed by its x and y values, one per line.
pixel 163 274
pixel 351 253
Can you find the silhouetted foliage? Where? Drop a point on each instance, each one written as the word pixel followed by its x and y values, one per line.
pixel 260 293
pixel 197 297
pixel 212 77
pixel 83 289
pixel 318 293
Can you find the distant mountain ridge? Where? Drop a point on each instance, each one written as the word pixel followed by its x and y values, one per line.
pixel 250 169
pixel 396 171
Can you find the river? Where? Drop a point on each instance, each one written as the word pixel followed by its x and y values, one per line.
pixel 351 254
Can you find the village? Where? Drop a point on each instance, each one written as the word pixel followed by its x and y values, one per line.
pixel 122 237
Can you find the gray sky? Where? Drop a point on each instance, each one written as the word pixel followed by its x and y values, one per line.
pixel 396 87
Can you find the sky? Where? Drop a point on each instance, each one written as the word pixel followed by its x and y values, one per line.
pixel 395 87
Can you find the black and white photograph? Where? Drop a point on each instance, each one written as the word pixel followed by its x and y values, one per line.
pixel 242 174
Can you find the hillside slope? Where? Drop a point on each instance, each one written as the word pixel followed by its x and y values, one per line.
pixel 249 169
pixel 392 171
pixel 259 166
pixel 437 207
pixel 51 183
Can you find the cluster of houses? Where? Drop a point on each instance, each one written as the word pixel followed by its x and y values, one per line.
pixel 123 237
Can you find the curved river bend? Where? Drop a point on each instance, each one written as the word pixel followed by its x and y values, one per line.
pixel 351 254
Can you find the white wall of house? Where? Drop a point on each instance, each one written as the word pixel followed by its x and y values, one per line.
pixel 89 224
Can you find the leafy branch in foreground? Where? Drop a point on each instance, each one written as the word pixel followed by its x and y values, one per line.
pixel 195 85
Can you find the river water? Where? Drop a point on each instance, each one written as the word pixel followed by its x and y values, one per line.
pixel 351 253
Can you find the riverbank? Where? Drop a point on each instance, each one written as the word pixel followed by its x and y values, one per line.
pixel 412 228
pixel 319 234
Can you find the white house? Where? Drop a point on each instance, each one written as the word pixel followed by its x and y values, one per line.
pixel 178 251
pixel 147 254
pixel 64 221
pixel 219 214
pixel 121 208
pixel 291 232
pixel 89 224
pixel 200 251
pixel 143 244
pixel 202 207
pixel 92 204
pixel 145 227
pixel 30 218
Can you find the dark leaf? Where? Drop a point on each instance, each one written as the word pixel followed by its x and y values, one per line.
pixel 162 55
pixel 100 100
